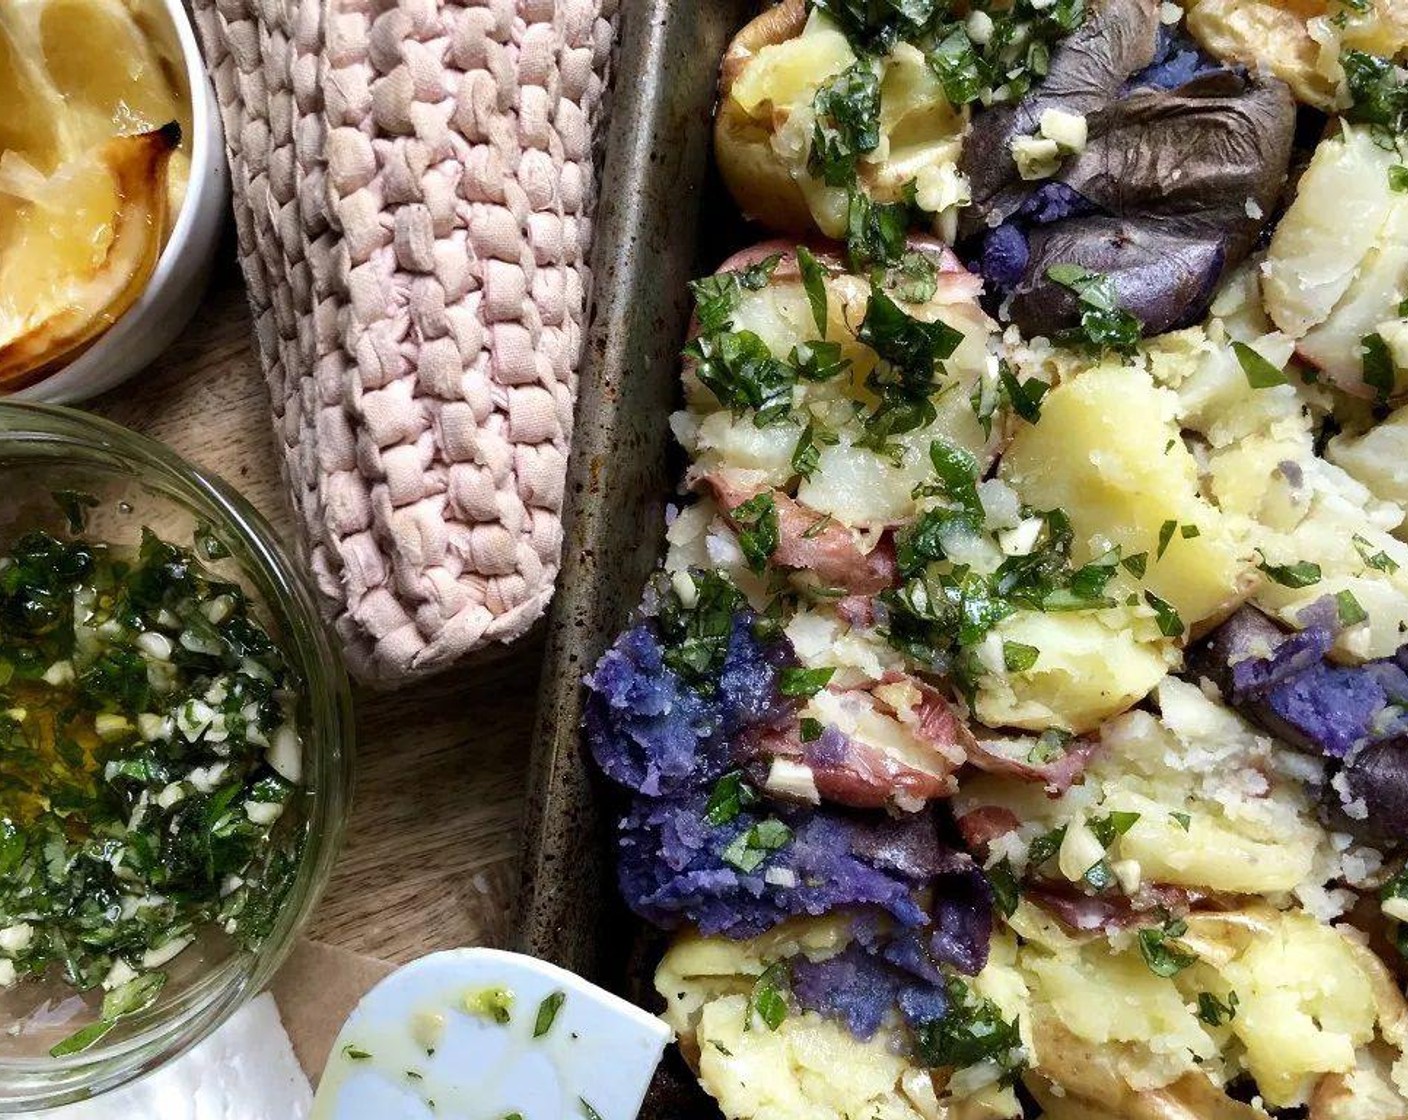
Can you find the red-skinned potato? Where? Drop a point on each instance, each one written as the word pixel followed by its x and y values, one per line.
pixel 759 181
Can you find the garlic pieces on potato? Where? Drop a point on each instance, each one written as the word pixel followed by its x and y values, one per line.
pixel 1336 275
pixel 764 130
pixel 1299 41
pixel 1108 451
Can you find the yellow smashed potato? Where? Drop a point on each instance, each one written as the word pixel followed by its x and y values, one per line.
pixel 763 129
pixel 1238 827
pixel 810 1067
pixel 1308 1004
pixel 1377 458
pixel 1108 451
pixel 1299 40
pixel 1089 666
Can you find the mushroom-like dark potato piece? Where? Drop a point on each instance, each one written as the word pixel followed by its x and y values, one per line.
pixel 1183 162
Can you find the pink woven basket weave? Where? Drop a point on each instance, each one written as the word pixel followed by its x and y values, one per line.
pixel 414 183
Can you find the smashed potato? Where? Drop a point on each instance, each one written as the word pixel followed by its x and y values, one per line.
pixel 1299 40
pixel 763 129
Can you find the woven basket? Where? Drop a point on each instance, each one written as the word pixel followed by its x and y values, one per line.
pixel 413 194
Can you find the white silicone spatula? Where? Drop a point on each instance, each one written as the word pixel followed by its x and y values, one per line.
pixel 481 1034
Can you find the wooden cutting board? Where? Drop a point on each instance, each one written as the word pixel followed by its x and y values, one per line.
pixel 429 858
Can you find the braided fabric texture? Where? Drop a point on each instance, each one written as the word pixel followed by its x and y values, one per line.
pixel 413 193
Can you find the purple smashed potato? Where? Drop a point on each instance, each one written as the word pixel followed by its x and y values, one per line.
pixel 1152 102
pixel 652 733
pixel 742 867
pixel 673 867
pixel 1353 716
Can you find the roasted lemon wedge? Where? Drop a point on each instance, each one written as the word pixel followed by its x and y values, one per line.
pixel 91 174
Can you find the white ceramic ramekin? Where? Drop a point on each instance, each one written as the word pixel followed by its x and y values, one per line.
pixel 174 291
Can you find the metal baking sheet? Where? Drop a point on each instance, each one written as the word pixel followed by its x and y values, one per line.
pixel 663 219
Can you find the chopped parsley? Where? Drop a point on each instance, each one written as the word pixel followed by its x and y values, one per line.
pixel 1006 891
pixel 1183 820
pixel 814 284
pixel 1045 846
pixel 1018 657
pixel 1379 96
pixel 973 1030
pixel 758 534
pixel 750 848
pixel 1302 573
pixel 547 1013
pixel 1170 625
pixel 875 231
pixel 1166 531
pixel 1350 611
pixel 942 610
pixel 1379 561
pixel 811 729
pixel 1260 373
pixel 905 377
pixel 1160 953
pixel 491 1003
pixel 804 682
pixel 729 797
pixel 143 710
pixel 1378 366
pixel 355 1053
pixel 847 124
pixel 1025 397
pixel 1103 324
pixel 806 455
pixel 766 1001
pixel 1213 1011
pixel 1136 564
pixel 696 637
pixel 1398 178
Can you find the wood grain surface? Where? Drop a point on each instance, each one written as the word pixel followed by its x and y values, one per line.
pixel 429 859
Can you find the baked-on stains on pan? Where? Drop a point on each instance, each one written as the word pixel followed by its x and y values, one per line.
pixel 658 193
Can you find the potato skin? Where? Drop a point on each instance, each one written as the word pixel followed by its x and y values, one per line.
pixel 758 180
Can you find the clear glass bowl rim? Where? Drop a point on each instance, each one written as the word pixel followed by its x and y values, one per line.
pixel 31 434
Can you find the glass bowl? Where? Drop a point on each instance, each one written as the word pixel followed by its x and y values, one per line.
pixel 138 482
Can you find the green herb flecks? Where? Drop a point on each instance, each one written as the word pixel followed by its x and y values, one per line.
pixel 1349 609
pixel 847 124
pixel 1215 1012
pixel 730 796
pixel 907 374
pixel 1157 945
pixel 1260 373
pixel 973 1030
pixel 1378 560
pixel 758 535
pixel 140 704
pixel 1378 366
pixel 1104 325
pixel 750 849
pixel 803 682
pixel 1006 892
pixel 491 1003
pixel 766 1003
pixel 547 1013
pixel 1301 573
pixel 695 635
